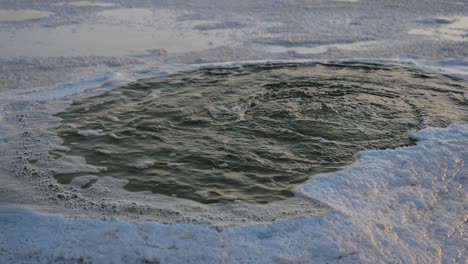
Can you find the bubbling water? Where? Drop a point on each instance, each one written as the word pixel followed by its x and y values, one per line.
pixel 253 133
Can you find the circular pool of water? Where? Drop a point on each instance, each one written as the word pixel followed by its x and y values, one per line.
pixel 252 133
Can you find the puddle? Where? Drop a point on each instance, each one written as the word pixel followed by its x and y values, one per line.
pixel 22 15
pixel 87 3
pixel 252 133
pixel 118 32
pixel 455 29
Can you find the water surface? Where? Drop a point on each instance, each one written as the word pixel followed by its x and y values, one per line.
pixel 253 133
